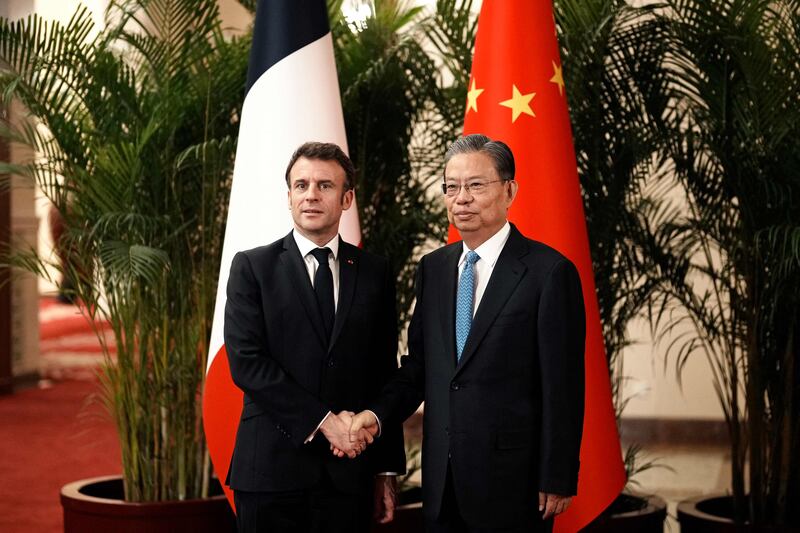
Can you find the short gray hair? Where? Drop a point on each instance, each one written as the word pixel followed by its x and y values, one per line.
pixel 498 151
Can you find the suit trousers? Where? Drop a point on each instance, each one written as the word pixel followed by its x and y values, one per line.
pixel 450 520
pixel 319 509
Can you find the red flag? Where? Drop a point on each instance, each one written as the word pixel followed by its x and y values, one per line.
pixel 517 95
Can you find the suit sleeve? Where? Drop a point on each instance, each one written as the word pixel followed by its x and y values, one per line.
pixel 404 392
pixel 562 334
pixel 390 455
pixel 253 369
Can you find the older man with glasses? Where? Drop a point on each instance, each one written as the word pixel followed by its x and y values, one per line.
pixel 496 352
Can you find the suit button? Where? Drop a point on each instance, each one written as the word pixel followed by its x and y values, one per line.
pixel 330 362
pixel 455 386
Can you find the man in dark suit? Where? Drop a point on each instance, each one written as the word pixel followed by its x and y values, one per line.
pixel 496 352
pixel 310 331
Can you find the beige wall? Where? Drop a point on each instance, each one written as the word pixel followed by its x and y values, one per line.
pixel 650 365
pixel 652 385
pixel 235 18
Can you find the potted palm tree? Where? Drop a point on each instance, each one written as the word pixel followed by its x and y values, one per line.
pixel 735 254
pixel 134 125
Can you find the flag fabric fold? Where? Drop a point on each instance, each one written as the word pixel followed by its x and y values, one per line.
pixel 292 97
pixel 516 94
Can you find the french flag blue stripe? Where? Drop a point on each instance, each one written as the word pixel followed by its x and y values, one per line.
pixel 281 28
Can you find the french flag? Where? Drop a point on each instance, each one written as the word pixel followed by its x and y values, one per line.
pixel 292 97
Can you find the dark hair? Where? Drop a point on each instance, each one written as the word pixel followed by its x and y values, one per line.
pixel 325 152
pixel 498 151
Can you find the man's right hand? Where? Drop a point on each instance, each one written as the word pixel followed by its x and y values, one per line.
pixel 336 429
pixel 363 436
pixel 363 420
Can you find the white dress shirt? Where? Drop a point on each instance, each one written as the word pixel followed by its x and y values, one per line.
pixel 488 252
pixel 306 246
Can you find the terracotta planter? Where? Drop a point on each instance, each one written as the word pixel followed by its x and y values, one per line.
pixel 711 514
pixel 96 505
pixel 631 512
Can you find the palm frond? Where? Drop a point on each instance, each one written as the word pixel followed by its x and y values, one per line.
pixel 133 263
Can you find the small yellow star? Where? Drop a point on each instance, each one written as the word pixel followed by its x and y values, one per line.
pixel 519 103
pixel 558 78
pixel 472 97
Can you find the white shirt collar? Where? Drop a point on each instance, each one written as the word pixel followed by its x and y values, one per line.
pixel 490 250
pixel 305 245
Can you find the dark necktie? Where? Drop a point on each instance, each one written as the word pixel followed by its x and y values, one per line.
pixel 323 287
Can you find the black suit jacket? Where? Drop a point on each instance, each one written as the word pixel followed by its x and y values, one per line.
pixel 508 417
pixel 292 376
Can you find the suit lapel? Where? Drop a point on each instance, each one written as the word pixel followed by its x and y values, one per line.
pixel 505 277
pixel 348 272
pixel 447 301
pixel 293 263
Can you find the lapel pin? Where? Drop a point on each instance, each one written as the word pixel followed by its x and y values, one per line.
pixel 349 261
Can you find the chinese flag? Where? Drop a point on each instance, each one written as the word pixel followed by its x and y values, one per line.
pixel 516 95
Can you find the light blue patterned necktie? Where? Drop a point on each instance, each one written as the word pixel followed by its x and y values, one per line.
pixel 464 300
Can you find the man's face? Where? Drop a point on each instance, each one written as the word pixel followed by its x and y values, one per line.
pixel 317 197
pixel 477 215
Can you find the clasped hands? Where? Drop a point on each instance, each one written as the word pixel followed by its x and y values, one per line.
pixel 348 433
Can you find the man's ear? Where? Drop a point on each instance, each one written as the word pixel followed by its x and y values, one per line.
pixel 511 192
pixel 347 199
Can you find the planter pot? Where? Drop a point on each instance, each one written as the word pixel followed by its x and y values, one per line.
pixel 408 516
pixel 631 512
pixel 96 505
pixel 712 514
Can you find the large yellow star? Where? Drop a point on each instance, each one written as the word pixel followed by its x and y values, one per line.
pixel 558 78
pixel 519 103
pixel 472 97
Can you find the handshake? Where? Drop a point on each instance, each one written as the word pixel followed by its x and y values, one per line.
pixel 349 433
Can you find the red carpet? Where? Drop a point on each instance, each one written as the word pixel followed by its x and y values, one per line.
pixel 49 437
pixel 68 344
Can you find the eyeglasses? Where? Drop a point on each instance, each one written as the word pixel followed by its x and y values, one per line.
pixel 474 188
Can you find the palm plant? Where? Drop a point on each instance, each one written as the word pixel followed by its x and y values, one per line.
pixel 612 58
pixel 735 122
pixel 400 116
pixel 135 126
